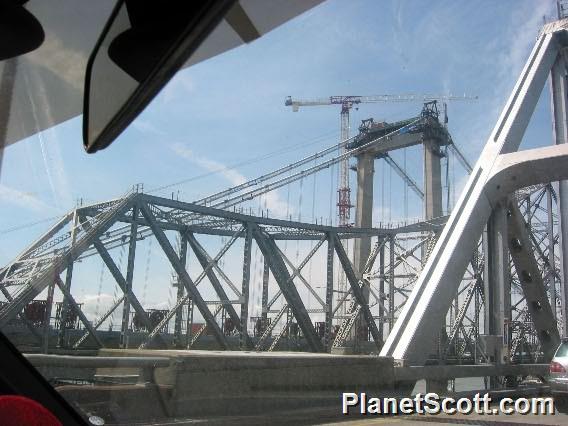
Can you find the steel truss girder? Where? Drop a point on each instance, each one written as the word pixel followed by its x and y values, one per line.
pixel 199 252
pixel 245 341
pixel 532 283
pixel 77 310
pixel 29 325
pixel 100 321
pixel 36 285
pixel 119 278
pixel 296 271
pixel 498 172
pixel 180 302
pixel 354 308
pixel 129 277
pixel 270 251
pixel 185 278
pixel 356 288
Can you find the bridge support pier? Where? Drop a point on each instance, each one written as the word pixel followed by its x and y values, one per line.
pixel 432 180
pixel 364 210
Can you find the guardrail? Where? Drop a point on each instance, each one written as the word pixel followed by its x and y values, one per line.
pixel 146 365
pixel 447 372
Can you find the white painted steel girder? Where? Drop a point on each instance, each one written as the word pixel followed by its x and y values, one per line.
pixel 499 171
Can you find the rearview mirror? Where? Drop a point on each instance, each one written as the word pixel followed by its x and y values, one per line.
pixel 20 31
pixel 142 45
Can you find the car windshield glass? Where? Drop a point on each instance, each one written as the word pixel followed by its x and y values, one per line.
pixel 562 350
pixel 327 206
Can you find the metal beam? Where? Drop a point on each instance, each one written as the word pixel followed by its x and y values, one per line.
pixel 411 183
pixel 357 291
pixel 60 262
pixel 129 276
pixel 77 309
pixel 532 283
pixel 29 325
pixel 327 340
pixel 180 289
pixel 185 298
pixel 265 281
pixel 296 271
pixel 245 341
pixel 199 252
pixel 99 321
pixel 498 172
pixel 559 103
pixel 68 279
pixel 117 275
pixel 187 281
pixel 498 282
pixel 282 276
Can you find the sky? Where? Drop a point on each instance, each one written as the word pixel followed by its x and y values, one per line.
pixel 230 110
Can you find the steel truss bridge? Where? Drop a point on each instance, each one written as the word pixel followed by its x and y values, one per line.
pixel 485 284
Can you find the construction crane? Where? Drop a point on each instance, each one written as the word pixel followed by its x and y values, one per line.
pixel 343 191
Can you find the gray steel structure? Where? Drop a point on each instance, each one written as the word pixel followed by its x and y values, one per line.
pixel 94 232
pixel 499 172
pixel 436 283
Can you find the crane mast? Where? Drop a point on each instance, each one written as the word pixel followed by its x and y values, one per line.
pixel 344 190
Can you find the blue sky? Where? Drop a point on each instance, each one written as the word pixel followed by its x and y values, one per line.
pixel 230 109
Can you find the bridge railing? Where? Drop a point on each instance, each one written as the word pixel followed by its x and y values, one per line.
pixel 55 367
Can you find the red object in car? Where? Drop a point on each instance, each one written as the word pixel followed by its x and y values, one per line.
pixel 18 410
pixel 556 367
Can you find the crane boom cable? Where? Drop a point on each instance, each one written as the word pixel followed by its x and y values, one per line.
pixel 306 172
pixel 275 173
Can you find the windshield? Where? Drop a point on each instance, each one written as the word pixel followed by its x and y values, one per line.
pixel 273 209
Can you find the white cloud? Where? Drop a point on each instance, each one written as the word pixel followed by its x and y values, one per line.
pixel 144 126
pixel 234 177
pixel 90 302
pixel 22 199
pixel 179 86
pixel 270 200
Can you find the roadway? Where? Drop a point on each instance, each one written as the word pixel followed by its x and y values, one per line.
pixel 335 418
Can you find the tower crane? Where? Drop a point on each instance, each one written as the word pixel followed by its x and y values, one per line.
pixel 343 191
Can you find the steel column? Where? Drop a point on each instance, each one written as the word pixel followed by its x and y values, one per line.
pixel 495 175
pixel 265 280
pixel 559 102
pixel 100 321
pixel 47 317
pixel 391 283
pixel 202 258
pixel 382 312
pixel 245 341
pixel 327 340
pixel 498 295
pixel 532 283
pixel 180 289
pixel 357 291
pixel 270 251
pixel 551 259
pixel 117 275
pixel 129 276
pixel 68 279
pixel 77 309
pixel 187 281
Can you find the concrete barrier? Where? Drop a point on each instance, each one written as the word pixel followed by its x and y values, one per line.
pixel 229 383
